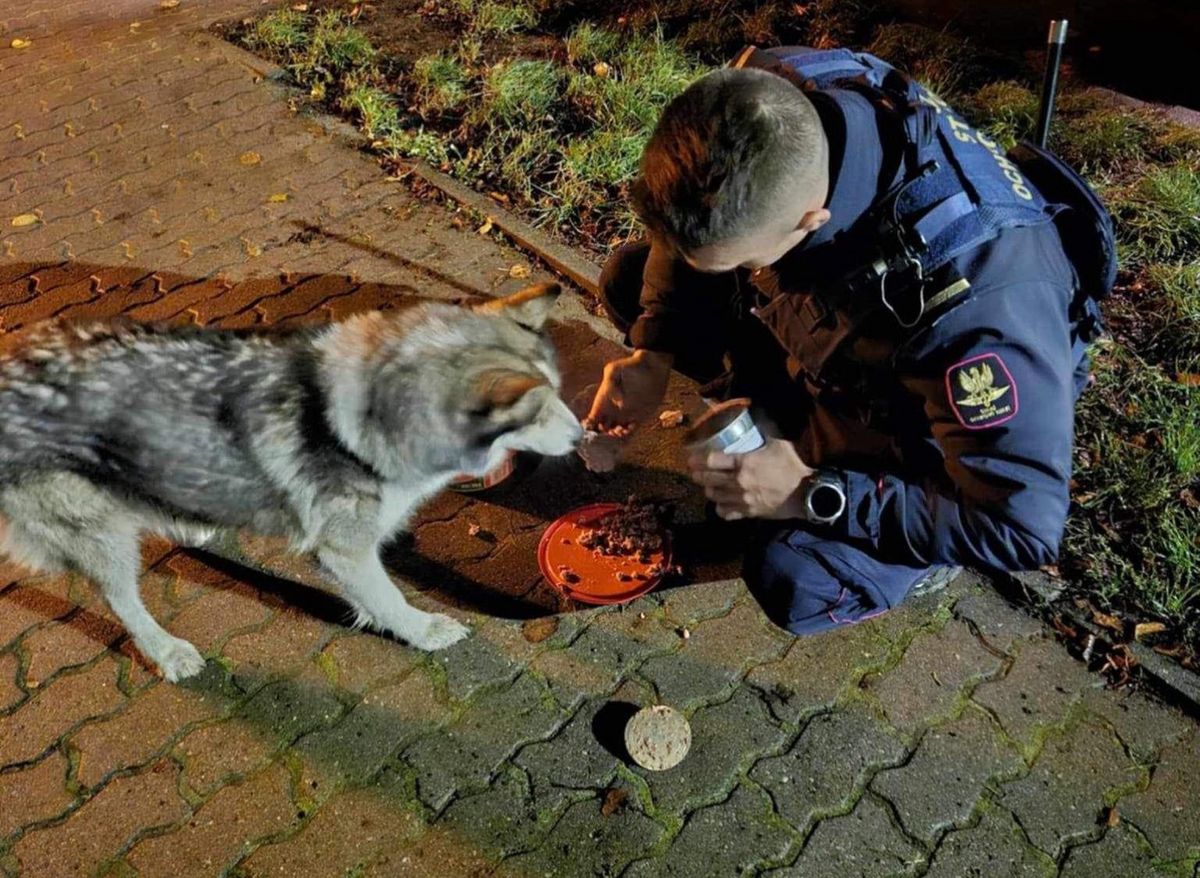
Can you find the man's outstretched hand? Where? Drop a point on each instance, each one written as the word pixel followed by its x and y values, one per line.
pixel 762 484
pixel 630 393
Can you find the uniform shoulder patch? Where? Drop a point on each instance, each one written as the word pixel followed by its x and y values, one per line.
pixel 982 392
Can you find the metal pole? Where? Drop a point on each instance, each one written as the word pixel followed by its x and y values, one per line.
pixel 1054 50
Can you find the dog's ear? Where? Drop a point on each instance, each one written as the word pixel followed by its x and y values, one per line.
pixel 500 389
pixel 530 307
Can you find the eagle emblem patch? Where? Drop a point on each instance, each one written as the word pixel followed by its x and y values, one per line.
pixel 982 392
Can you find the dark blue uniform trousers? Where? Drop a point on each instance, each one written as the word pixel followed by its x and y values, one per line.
pixel 804 581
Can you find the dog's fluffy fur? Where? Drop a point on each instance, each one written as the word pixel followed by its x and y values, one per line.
pixel 330 437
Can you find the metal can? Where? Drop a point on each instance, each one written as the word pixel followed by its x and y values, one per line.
pixel 728 427
pixel 507 473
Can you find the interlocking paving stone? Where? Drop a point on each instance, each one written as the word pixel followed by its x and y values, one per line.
pixel 936 669
pixel 77 640
pixel 222 829
pixel 104 824
pixel 503 819
pixel 356 747
pixel 827 766
pixel 349 831
pixel 815 670
pixel 714 656
pixel 690 604
pixel 284 710
pixel 586 841
pixel 1120 853
pixel 1062 797
pixel 466 753
pixel 214 754
pixel 727 838
pixel 997 620
pixel 361 660
pixel 1166 812
pixel 724 738
pixel 573 759
pixel 10 692
pixel 995 848
pixel 863 844
pixel 26 733
pixel 1037 691
pixel 472 664
pixel 939 786
pixel 135 734
pixel 34 794
pixel 1144 726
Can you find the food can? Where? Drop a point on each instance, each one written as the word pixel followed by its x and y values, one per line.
pixel 728 427
pixel 475 484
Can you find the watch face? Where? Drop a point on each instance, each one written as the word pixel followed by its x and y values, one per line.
pixel 826 502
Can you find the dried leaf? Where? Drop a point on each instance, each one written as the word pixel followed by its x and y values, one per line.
pixel 537 630
pixel 614 801
pixel 1104 620
pixel 1189 498
pixel 21 44
pixel 25 219
pixel 519 270
pixel 1145 629
pixel 317 93
pixel 168 4
pixel 487 226
pixel 1191 379
pixel 300 7
pixel 278 198
pixel 1112 818
pixel 499 196
pixel 249 159
pixel 601 69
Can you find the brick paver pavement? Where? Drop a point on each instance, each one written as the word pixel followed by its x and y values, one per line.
pixel 147 169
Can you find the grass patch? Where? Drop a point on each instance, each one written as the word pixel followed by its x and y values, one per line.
pixel 519 93
pixel 1158 213
pixel 503 18
pixel 441 82
pixel 1135 536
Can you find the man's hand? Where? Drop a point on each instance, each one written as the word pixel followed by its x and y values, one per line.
pixel 762 484
pixel 632 389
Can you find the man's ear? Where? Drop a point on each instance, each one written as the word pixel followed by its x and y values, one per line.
pixel 813 220
pixel 496 389
pixel 530 307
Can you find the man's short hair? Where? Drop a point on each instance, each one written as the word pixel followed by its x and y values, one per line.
pixel 720 153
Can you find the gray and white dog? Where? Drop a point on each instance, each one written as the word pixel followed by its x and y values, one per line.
pixel 330 437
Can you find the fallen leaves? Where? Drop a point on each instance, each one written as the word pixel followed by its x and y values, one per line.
pixel 25 219
pixel 614 801
pixel 487 226
pixel 601 69
pixel 537 630
pixel 671 418
pixel 519 271
pixel 250 159
pixel 21 44
pixel 1145 629
pixel 278 198
pixel 168 4
pixel 1188 379
pixel 1104 620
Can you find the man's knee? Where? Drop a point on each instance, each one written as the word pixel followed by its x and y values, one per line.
pixel 621 284
pixel 807 583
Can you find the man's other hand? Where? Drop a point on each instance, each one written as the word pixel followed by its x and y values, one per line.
pixel 762 484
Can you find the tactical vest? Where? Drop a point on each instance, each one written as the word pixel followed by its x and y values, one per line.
pixel 957 191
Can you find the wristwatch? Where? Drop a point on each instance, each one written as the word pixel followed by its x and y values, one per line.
pixel 825 498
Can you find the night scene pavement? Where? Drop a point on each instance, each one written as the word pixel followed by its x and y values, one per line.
pixel 148 169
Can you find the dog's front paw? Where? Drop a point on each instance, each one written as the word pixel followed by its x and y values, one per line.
pixel 178 659
pixel 440 632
